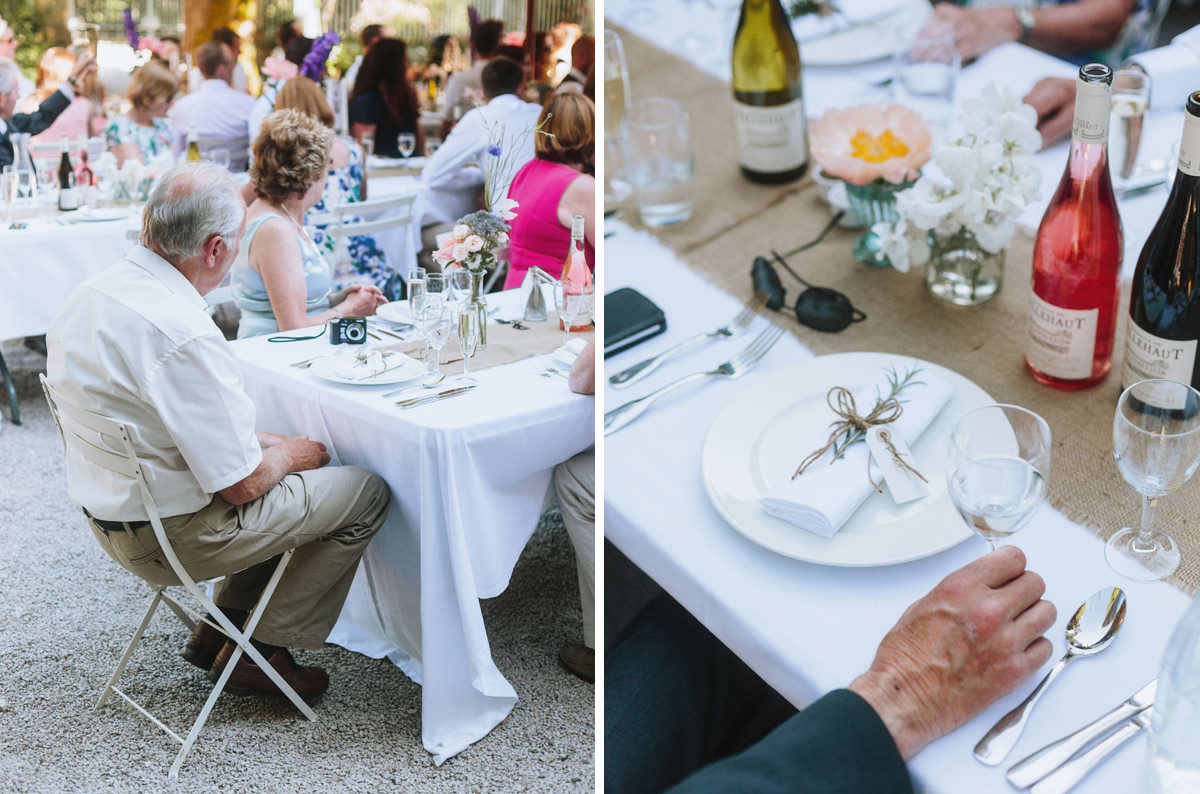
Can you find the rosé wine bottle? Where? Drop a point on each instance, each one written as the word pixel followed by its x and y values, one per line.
pixel 1077 253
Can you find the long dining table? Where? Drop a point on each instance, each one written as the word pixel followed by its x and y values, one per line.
pixel 806 627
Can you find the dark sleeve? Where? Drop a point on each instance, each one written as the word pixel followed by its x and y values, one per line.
pixel 366 109
pixel 838 745
pixel 41 118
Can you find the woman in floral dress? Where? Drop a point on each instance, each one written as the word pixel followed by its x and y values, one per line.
pixel 145 132
pixel 363 261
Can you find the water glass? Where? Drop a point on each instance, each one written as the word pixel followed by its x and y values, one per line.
pixel 616 105
pixel 1130 101
pixel 656 146
pixel 574 308
pixel 435 323
pixel 415 290
pixel 437 287
pixel 406 142
pixel 468 339
pixel 432 145
pixel 927 73
pixel 1156 443
pixel 999 464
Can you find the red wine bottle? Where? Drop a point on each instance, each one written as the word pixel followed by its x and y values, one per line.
pixel 1164 306
pixel 1077 253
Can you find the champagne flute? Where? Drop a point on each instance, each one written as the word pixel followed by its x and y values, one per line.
pixel 468 340
pixel 460 287
pixel 406 142
pixel 998 469
pixel 415 290
pixel 1156 443
pixel 572 307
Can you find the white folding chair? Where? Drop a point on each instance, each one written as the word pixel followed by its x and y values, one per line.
pixel 393 214
pixel 236 149
pixel 107 443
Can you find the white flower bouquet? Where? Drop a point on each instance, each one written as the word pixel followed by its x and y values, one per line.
pixel 982 182
pixel 476 238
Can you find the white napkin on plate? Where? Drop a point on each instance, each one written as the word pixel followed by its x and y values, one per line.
pixel 822 498
pixel 566 354
pixel 364 364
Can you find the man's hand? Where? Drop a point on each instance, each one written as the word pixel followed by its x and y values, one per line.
pixel 582 379
pixel 84 65
pixel 977 30
pixel 304 454
pixel 1054 100
pixel 967 643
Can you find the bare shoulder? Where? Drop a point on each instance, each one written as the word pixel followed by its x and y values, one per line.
pixel 340 155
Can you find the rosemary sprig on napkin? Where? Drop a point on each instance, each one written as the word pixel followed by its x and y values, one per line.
pixel 896 385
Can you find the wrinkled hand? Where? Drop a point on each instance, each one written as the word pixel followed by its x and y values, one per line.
pixel 85 64
pixel 970 641
pixel 360 300
pixel 977 30
pixel 1054 100
pixel 304 454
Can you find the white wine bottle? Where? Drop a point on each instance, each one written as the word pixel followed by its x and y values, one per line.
pixel 768 100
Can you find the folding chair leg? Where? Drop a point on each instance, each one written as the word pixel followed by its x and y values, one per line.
pixel 198 725
pixel 10 387
pixel 137 637
pixel 184 617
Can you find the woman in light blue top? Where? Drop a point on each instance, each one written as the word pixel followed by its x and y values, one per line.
pixel 279 279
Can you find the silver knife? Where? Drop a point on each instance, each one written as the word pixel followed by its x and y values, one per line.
pixel 1066 776
pixel 430 398
pixel 1036 766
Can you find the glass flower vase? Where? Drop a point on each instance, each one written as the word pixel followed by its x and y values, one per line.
pixel 960 271
pixel 874 202
pixel 478 304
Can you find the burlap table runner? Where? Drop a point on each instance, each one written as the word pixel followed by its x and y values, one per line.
pixel 505 344
pixel 735 220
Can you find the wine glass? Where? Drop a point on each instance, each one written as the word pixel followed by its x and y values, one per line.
pixel 468 339
pixel 998 468
pixel 406 142
pixel 460 287
pixel 573 308
pixel 432 145
pixel 1156 442
pixel 437 287
pixel 435 324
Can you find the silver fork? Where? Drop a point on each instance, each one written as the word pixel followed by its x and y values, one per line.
pixel 735 367
pixel 628 377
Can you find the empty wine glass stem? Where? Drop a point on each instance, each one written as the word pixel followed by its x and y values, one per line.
pixel 1144 540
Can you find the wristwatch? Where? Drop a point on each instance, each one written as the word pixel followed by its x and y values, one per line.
pixel 1027 20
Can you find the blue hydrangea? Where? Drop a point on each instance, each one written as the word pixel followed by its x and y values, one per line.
pixel 494 150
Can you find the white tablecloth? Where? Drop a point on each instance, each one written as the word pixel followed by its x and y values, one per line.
pixel 468 478
pixel 807 629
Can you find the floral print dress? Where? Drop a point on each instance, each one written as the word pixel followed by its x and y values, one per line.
pixel 150 141
pixel 362 261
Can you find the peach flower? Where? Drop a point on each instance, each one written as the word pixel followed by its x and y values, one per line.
pixel 869 142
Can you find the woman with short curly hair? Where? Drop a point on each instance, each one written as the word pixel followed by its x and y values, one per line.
pixel 279 279
pixel 145 133
pixel 552 188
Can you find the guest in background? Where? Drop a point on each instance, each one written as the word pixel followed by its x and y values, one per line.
pixel 540 88
pixel 279 278
pixel 583 56
pixel 46 113
pixel 1080 31
pixel 277 73
pixel 8 49
pixel 461 85
pixel 683 714
pixel 145 132
pixel 170 50
pixel 84 117
pixel 575 486
pixel 551 189
pixel 490 144
pixel 384 102
pixel 444 55
pixel 368 38
pixel 345 183
pixel 286 32
pixel 218 111
pixel 238 78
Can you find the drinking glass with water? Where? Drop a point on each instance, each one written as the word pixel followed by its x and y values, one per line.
pixel 927 74
pixel 1130 101
pixel 406 142
pixel 656 147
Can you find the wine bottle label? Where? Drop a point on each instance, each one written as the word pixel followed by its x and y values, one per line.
pixel 771 139
pixel 1189 148
pixel 1093 101
pixel 1062 341
pixel 1150 356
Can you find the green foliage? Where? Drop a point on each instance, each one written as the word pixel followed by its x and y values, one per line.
pixel 39 25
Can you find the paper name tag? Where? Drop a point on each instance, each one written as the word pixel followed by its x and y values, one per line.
pixel 904 485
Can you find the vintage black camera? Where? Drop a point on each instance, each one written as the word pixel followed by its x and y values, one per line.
pixel 348 330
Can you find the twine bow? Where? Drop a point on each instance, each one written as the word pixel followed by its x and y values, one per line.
pixel 854 427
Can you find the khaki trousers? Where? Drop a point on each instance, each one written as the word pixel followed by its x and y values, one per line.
pixel 575 484
pixel 327 515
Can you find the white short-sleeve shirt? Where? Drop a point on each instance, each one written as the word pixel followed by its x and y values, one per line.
pixel 136 343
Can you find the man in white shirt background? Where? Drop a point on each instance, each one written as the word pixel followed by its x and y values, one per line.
pixel 217 110
pixel 490 143
pixel 136 343
pixel 8 49
pixel 237 78
pixel 486 41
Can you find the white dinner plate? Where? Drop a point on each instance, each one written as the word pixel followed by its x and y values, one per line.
pixel 748 450
pixel 396 312
pixel 324 368
pixel 867 41
pixel 98 214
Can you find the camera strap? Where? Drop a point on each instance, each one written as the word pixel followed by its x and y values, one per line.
pixel 318 335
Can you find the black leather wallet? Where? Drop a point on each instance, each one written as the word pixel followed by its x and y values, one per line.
pixel 630 318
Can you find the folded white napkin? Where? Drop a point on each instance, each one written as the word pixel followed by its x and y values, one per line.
pixel 1172 71
pixel 363 365
pixel 822 498
pixel 566 354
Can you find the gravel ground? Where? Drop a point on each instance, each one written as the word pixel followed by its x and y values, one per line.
pixel 67 610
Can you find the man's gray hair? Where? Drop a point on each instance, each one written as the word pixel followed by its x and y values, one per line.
pixel 189 204
pixel 9 74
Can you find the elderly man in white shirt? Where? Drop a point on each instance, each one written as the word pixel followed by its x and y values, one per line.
pixel 490 143
pixel 136 343
pixel 8 49
pixel 216 109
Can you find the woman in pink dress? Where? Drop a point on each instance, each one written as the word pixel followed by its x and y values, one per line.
pixel 83 117
pixel 551 189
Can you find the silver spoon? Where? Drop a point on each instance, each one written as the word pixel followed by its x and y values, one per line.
pixel 1090 630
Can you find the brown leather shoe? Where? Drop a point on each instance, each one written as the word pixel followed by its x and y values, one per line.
pixel 203 646
pixel 248 678
pixel 580 660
